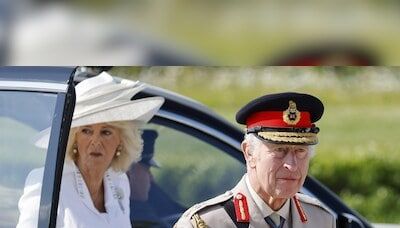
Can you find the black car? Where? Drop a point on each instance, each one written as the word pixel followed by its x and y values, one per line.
pixel 198 151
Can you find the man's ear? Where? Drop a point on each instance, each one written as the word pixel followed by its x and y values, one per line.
pixel 248 154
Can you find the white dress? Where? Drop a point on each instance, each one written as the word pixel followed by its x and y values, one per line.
pixel 76 208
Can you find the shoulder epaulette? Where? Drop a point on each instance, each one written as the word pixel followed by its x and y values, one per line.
pixel 213 201
pixel 310 200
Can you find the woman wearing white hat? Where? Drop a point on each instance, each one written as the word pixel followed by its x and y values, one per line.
pixel 104 141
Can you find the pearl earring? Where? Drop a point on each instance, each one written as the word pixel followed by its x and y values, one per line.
pixel 75 149
pixel 119 149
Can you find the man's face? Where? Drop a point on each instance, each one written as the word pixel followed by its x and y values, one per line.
pixel 276 170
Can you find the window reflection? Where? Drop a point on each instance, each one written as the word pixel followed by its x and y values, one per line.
pixel 22 116
pixel 182 170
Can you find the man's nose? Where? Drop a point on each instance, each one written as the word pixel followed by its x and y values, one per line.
pixel 290 162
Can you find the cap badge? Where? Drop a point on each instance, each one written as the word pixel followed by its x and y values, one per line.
pixel 291 115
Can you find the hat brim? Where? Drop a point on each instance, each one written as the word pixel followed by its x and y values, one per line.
pixel 140 111
pixel 41 140
pixel 110 91
pixel 296 138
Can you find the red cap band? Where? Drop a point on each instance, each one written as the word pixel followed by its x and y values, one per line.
pixel 275 119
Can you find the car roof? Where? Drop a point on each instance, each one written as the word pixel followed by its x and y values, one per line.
pixel 42 74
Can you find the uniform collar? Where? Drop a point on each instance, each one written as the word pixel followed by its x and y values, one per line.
pixel 284 211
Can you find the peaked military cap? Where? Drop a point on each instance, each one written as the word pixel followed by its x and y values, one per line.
pixel 283 118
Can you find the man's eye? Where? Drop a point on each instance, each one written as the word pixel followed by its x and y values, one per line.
pixel 301 153
pixel 280 152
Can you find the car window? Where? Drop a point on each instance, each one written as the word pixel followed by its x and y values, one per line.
pixel 191 170
pixel 22 116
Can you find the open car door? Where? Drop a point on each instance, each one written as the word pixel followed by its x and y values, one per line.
pixel 33 99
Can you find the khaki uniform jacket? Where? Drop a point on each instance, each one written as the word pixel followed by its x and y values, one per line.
pixel 213 214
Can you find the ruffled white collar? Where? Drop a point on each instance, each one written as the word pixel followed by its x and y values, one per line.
pixel 112 194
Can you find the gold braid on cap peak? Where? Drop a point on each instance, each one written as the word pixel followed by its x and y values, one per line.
pixel 289 137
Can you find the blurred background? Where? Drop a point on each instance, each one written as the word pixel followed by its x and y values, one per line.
pixel 358 155
pixel 176 32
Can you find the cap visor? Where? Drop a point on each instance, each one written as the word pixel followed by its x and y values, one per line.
pixel 289 137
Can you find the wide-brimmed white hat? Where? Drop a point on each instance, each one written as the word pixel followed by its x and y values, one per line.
pixel 103 99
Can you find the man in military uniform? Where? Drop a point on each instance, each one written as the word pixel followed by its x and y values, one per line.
pixel 278 145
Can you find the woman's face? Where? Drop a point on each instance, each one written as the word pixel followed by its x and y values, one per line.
pixel 97 145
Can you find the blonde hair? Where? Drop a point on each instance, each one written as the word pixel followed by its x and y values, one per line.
pixel 131 141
